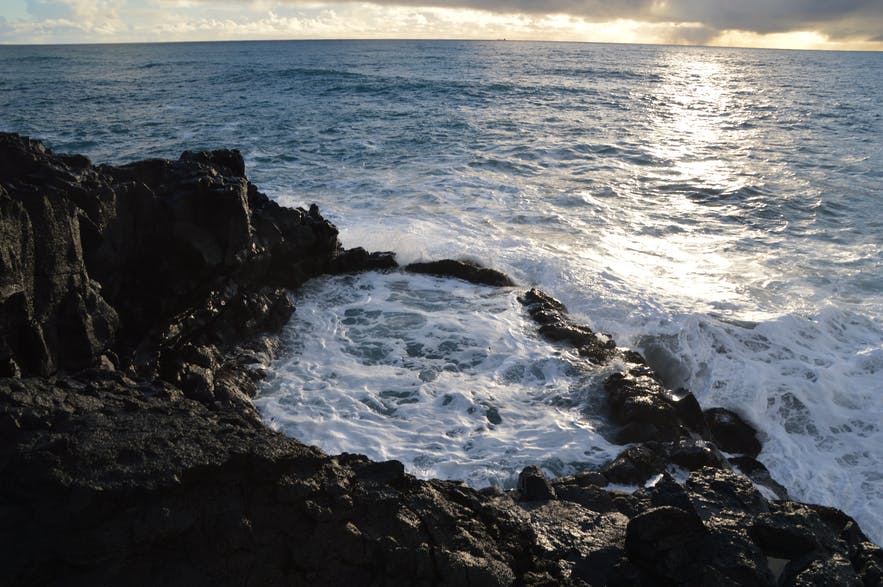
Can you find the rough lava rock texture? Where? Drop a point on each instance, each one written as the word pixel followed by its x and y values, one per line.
pixel 135 303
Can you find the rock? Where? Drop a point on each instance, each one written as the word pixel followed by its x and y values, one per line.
pixel 695 454
pixel 465 270
pixel 757 472
pixel 358 259
pixel 54 314
pixel 716 491
pixel 588 544
pixel 96 259
pixel 583 479
pixel 642 407
pixel 688 410
pixel 534 486
pixel 590 497
pixel 556 326
pixel 664 541
pixel 787 534
pixel 636 464
pixel 542 307
pixel 731 433
pixel 833 570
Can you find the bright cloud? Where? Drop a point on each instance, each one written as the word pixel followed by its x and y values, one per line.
pixel 846 24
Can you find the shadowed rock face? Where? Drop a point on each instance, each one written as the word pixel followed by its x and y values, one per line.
pixel 131 305
pixel 96 261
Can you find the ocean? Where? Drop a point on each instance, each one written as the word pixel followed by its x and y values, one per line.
pixel 717 209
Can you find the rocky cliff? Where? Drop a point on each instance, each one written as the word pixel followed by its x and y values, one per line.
pixel 134 307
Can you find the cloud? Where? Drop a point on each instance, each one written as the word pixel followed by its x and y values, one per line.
pixel 65 21
pixel 830 24
pixel 74 9
pixel 836 18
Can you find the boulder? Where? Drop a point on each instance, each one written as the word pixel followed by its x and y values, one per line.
pixel 731 433
pixel 642 406
pixel 533 485
pixel 664 540
pixel 636 464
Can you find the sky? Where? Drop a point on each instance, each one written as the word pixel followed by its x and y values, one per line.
pixel 791 24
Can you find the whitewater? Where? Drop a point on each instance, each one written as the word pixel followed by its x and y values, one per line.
pixel 717 209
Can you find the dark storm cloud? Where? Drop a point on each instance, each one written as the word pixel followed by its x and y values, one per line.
pixel 838 18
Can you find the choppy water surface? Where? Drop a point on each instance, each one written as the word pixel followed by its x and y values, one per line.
pixel 717 208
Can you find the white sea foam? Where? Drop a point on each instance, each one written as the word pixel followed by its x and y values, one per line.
pixel 812 385
pixel 448 377
pixel 740 330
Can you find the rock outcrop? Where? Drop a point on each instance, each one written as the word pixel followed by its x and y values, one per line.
pixel 465 270
pixel 133 303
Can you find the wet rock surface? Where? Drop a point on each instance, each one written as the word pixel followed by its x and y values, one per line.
pixel 465 270
pixel 555 325
pixel 133 304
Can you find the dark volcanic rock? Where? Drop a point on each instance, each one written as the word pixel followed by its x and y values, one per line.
pixel 788 532
pixel 556 326
pixel 636 464
pixel 589 545
pixel 131 305
pixel 690 412
pixel 534 486
pixel 358 259
pixel 665 541
pixel 695 454
pixel 125 261
pixel 731 433
pixel 465 270
pixel 757 472
pixel 115 480
pixel 642 406
pixel 54 314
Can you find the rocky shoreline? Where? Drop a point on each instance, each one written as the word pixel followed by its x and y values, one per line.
pixel 138 307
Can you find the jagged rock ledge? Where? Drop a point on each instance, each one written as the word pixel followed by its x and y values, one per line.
pixel 133 306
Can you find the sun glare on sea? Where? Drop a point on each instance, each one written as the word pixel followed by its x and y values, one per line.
pixel 674 253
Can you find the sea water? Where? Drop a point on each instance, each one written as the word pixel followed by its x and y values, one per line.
pixel 718 209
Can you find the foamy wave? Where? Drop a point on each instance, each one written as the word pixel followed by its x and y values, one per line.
pixel 812 385
pixel 447 377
